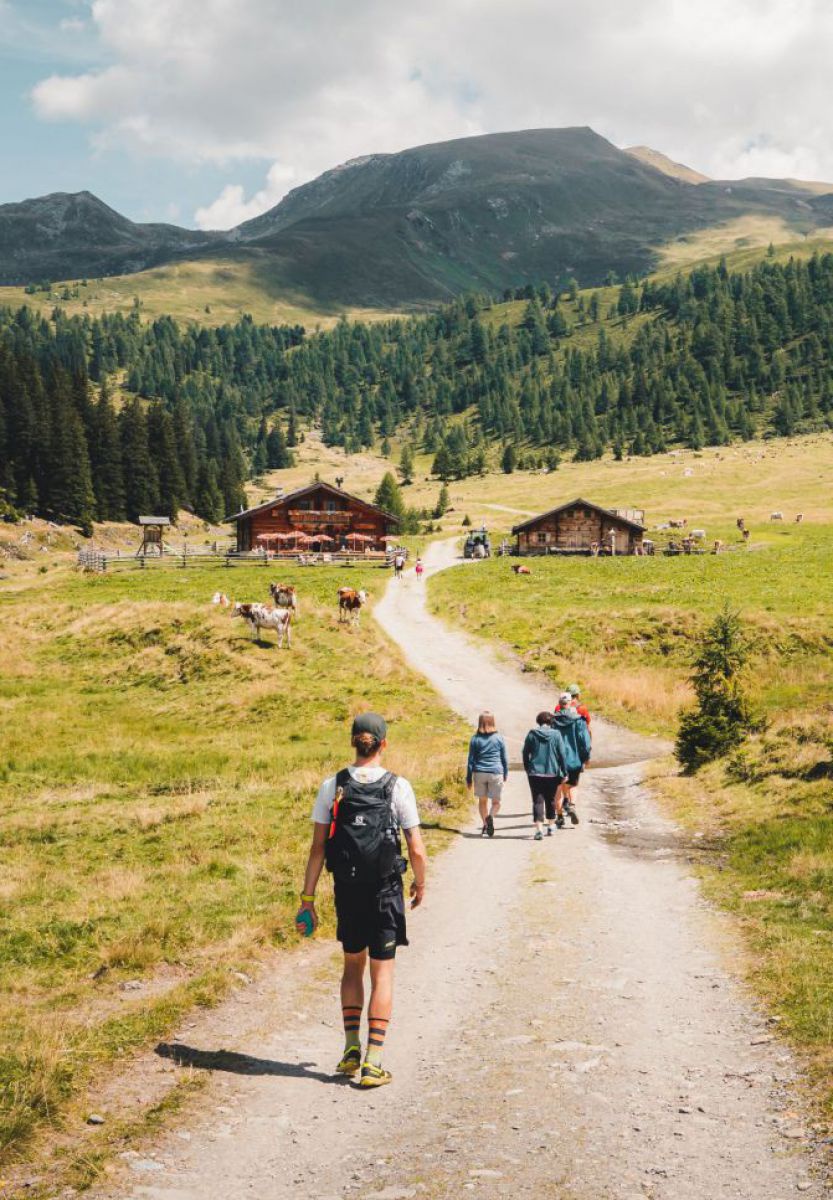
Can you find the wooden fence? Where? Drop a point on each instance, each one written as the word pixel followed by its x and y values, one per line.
pixel 98 561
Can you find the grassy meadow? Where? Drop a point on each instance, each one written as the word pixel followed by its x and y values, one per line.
pixel 626 628
pixel 211 291
pixel 156 778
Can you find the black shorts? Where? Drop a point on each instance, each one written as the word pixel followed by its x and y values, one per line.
pixel 574 776
pixel 371 918
pixel 543 789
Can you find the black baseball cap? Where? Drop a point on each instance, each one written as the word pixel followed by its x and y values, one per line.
pixel 370 723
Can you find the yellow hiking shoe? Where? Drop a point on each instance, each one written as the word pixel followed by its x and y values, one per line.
pixel 351 1061
pixel 373 1076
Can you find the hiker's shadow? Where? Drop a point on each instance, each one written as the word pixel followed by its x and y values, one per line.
pixel 476 835
pixel 241 1064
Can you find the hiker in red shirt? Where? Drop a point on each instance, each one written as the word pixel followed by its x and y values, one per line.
pixel 581 709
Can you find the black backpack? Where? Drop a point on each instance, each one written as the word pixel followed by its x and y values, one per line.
pixel 363 846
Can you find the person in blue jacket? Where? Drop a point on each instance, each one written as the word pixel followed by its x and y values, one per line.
pixel 543 758
pixel 487 770
pixel 576 738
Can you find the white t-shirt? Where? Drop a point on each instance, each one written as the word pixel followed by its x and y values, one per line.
pixel 403 801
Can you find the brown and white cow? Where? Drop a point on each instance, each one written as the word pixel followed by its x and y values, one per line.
pixel 260 616
pixel 285 595
pixel 520 569
pixel 799 517
pixel 350 603
pixel 678 523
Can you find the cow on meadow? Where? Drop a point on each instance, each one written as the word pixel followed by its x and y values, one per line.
pixel 260 616
pixel 285 595
pixel 520 569
pixel 350 603
pixel 776 516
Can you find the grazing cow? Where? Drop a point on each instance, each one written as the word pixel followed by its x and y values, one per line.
pixel 260 616
pixel 699 535
pixel 520 569
pixel 799 517
pixel 350 604
pixel 776 516
pixel 746 535
pixel 678 524
pixel 718 546
pixel 648 546
pixel 285 596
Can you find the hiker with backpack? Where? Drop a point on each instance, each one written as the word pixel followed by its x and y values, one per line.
pixel 543 759
pixel 357 817
pixel 576 739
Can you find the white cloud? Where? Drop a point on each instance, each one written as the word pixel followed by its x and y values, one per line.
pixel 732 89
pixel 232 208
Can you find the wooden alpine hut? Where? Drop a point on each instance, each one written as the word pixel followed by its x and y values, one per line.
pixel 579 527
pixel 318 515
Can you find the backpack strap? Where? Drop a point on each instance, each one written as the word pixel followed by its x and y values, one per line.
pixel 342 779
pixel 389 783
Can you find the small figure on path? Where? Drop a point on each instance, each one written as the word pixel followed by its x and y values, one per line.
pixel 576 739
pixel 487 770
pixel 419 568
pixel 357 817
pixel 398 565
pixel 543 758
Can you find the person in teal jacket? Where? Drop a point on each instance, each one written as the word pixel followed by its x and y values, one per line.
pixel 487 770
pixel 543 759
pixel 576 738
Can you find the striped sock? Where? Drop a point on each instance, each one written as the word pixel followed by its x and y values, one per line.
pixel 352 1016
pixel 377 1027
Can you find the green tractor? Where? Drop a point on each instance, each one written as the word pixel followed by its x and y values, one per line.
pixel 478 544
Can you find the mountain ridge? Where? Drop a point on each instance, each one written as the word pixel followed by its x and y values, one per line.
pixel 421 225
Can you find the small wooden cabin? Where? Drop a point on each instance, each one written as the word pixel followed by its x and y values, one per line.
pixel 579 527
pixel 322 512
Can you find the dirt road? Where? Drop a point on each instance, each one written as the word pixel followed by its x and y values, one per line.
pixel 566 1021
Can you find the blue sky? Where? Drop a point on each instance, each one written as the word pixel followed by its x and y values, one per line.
pixel 205 112
pixel 41 156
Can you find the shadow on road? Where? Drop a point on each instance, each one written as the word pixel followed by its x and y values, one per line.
pixel 241 1064
pixel 476 835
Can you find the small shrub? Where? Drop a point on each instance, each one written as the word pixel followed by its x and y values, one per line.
pixel 722 717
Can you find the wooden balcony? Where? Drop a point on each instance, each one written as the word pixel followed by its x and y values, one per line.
pixel 302 517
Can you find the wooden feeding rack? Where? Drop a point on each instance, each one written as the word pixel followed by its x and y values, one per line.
pixel 153 538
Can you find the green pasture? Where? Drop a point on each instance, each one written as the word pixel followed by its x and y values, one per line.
pixel 625 628
pixel 156 778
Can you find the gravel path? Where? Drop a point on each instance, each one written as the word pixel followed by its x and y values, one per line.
pixel 566 1022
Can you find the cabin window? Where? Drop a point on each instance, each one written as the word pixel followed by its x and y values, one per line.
pixel 332 506
pixel 541 536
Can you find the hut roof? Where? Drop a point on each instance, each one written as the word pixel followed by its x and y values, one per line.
pixel 292 497
pixel 607 512
pixel 154 520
